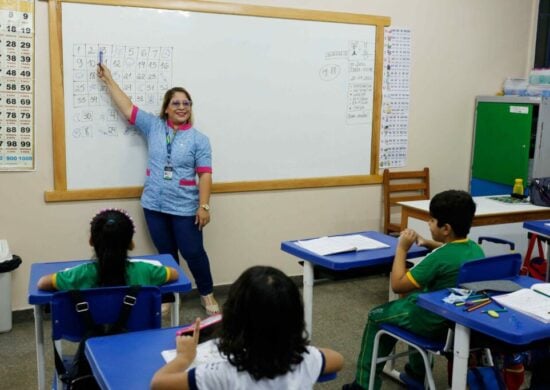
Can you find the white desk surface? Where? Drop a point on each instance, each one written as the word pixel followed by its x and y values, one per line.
pixel 484 206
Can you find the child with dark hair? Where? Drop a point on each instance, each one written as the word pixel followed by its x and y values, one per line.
pixel 263 343
pixel 451 214
pixel 111 235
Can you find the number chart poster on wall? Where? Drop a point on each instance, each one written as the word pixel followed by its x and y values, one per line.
pixel 17 84
pixel 285 96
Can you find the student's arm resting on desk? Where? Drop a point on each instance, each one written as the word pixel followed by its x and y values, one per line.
pixel 173 374
pixel 334 361
pixel 122 101
pixel 400 283
pixel 172 274
pixel 46 282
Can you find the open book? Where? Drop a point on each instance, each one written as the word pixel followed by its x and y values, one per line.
pixel 534 301
pixel 207 352
pixel 339 244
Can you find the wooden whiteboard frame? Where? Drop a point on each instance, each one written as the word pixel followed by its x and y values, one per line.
pixel 62 193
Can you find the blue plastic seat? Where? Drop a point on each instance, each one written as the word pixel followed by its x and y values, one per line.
pixel 104 305
pixel 496 267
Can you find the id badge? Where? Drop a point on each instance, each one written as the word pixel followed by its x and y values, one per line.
pixel 168 171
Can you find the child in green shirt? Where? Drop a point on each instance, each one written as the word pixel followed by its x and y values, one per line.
pixel 111 236
pixel 451 214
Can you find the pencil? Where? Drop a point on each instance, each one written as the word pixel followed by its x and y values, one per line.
pixel 472 308
pixel 470 303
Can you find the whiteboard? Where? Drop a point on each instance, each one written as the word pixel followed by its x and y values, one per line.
pixel 278 98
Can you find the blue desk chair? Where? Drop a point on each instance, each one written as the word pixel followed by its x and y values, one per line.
pixel 496 267
pixel 104 305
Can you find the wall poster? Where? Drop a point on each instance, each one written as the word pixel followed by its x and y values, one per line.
pixel 17 85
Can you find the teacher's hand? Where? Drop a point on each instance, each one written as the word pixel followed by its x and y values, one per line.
pixel 103 73
pixel 202 218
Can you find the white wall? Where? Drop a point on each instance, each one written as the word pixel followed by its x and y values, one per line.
pixel 460 49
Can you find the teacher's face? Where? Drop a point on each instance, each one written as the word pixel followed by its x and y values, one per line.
pixel 179 109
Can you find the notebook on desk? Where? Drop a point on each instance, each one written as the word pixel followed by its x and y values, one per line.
pixel 340 244
pixel 206 352
pixel 534 301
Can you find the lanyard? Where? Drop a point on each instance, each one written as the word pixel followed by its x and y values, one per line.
pixel 169 140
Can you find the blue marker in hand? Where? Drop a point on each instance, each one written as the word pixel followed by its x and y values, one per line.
pixel 100 58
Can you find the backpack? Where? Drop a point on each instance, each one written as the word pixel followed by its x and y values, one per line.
pixel 485 378
pixel 77 374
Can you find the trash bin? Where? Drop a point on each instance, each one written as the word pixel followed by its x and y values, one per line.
pixel 5 291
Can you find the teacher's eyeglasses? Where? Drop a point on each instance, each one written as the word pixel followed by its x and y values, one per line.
pixel 185 103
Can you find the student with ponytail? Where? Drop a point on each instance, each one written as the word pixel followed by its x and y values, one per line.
pixel 111 234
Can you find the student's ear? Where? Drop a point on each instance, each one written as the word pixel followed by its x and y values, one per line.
pixel 131 246
pixel 447 230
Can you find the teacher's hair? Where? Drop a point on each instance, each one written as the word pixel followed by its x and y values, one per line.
pixel 263 327
pixel 168 97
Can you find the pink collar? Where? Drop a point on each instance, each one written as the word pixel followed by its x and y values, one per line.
pixel 185 126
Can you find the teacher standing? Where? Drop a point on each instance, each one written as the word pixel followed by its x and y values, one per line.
pixel 175 206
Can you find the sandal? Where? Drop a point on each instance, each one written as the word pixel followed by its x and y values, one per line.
pixel 210 305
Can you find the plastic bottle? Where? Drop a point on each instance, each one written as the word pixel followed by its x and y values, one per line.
pixel 518 187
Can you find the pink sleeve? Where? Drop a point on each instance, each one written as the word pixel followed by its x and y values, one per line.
pixel 204 169
pixel 132 119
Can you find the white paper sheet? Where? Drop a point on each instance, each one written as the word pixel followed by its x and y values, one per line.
pixel 339 244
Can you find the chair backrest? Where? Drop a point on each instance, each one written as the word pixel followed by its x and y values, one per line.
pixel 105 304
pixel 490 268
pixel 401 187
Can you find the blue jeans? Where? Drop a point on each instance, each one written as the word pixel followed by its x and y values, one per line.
pixel 171 233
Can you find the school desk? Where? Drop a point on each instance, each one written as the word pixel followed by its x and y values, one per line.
pixel 510 327
pixel 488 212
pixel 541 228
pixel 343 262
pixel 129 360
pixel 38 298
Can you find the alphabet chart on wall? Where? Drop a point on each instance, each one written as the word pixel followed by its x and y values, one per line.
pixel 143 73
pixel 17 85
pixel 395 97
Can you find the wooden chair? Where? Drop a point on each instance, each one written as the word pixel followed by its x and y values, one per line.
pixel 400 187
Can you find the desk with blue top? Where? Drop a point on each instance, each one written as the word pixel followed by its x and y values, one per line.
pixel 343 262
pixel 129 360
pixel 39 297
pixel 510 327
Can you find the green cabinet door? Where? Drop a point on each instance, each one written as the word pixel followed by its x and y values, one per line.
pixel 502 136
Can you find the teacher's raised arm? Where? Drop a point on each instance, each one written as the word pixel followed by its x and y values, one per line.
pixel 122 101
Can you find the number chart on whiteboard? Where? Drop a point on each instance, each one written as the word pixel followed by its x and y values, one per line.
pixel 17 85
pixel 143 72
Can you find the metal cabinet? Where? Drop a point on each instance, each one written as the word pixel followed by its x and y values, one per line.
pixel 510 141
